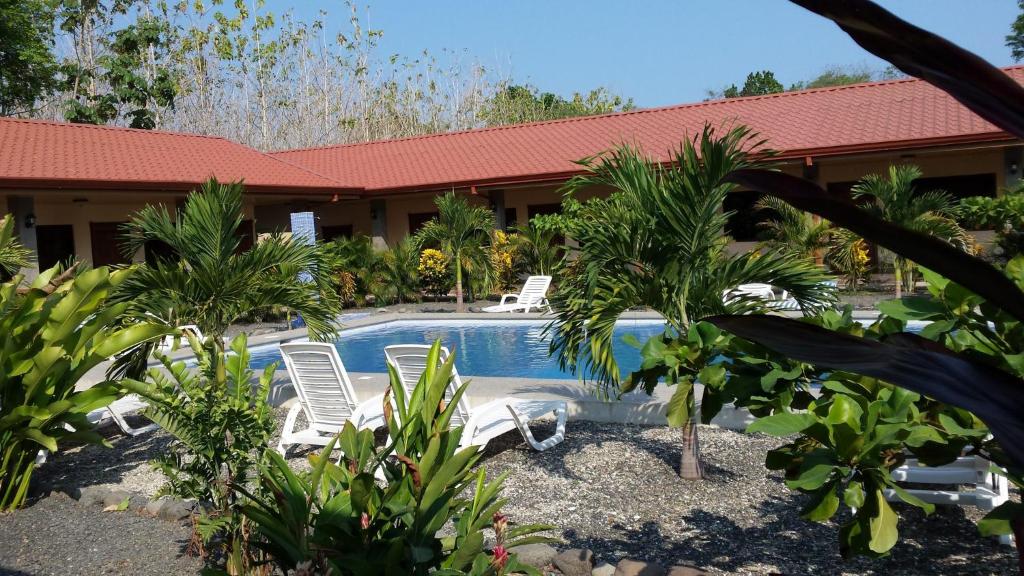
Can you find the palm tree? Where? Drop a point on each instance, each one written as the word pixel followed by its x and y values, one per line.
pixel 13 255
pixel 207 280
pixel 793 230
pixel 659 241
pixel 461 232
pixel 895 199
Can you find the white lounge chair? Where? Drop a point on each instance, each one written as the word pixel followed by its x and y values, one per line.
pixel 983 488
pixel 487 421
pixel 325 396
pixel 533 295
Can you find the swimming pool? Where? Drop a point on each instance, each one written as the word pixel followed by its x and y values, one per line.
pixel 511 348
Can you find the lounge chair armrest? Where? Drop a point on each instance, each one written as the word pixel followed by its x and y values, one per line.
pixel 369 413
pixel 505 297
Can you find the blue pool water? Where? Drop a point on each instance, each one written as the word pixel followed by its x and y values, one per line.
pixel 482 348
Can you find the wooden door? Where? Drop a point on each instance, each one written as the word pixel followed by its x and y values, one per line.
pixel 55 244
pixel 106 243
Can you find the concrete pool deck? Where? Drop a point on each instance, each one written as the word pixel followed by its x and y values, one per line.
pixel 583 402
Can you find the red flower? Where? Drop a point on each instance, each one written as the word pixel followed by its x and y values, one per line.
pixel 364 521
pixel 500 522
pixel 500 557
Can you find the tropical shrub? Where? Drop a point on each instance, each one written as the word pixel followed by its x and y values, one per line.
pixel 208 281
pixel 659 241
pixel 794 230
pixel 435 272
pixel 848 256
pixel 351 263
pixel 338 519
pixel 503 254
pixel 54 333
pixel 894 199
pixel 13 256
pixel 396 274
pixel 985 213
pixel 541 248
pixel 461 232
pixel 221 423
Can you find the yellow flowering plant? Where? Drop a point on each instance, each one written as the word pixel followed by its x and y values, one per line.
pixel 435 272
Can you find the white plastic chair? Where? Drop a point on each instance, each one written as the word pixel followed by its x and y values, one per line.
pixel 533 295
pixel 487 421
pixel 325 396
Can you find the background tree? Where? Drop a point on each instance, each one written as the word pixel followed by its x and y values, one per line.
pixel 659 241
pixel 461 232
pixel 209 281
pixel 396 274
pixel 756 84
pixel 516 103
pixel 895 199
pixel 836 76
pixel 27 65
pixel 1015 39
pixel 112 73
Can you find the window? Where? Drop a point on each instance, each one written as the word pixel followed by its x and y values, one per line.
pixel 56 245
pixel 328 233
pixel 742 226
pixel 418 220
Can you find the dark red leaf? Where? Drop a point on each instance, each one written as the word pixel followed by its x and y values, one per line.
pixel 975 83
pixel 972 273
pixel 992 394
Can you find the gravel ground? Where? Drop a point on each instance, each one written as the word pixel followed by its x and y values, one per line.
pixel 615 489
pixel 58 536
pixel 612 488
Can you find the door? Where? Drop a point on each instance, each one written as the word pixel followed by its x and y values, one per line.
pixel 106 243
pixel 55 244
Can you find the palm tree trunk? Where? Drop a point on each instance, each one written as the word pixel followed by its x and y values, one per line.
pixel 458 284
pixel 897 269
pixel 690 467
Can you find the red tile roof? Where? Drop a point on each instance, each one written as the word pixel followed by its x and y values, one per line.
pixel 872 116
pixel 39 154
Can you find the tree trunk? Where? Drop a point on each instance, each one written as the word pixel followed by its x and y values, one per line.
pixel 897 269
pixel 458 286
pixel 690 467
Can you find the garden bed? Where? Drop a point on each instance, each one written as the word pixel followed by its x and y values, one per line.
pixel 611 488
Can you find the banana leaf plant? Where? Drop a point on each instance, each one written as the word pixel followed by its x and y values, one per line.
pixel 53 335
pixel 338 519
pixel 988 385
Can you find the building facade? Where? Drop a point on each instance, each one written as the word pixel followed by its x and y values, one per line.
pixel 70 187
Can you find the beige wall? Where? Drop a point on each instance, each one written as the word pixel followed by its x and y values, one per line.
pixel 355 213
pixel 935 164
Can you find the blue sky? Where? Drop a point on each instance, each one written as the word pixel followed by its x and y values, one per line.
pixel 658 52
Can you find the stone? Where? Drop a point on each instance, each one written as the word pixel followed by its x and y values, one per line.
pixel 575 562
pixel 91 495
pixel 537 555
pixel 175 510
pixel 685 571
pixel 637 568
pixel 153 507
pixel 603 569
pixel 116 497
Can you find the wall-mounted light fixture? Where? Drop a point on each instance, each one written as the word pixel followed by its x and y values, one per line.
pixel 30 220
pixel 1013 167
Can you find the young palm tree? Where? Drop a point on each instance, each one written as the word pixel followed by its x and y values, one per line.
pixel 895 199
pixel 794 230
pixel 659 241
pixel 208 281
pixel 461 232
pixel 13 255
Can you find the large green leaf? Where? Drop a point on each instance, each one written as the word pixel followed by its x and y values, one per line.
pixel 782 423
pixel 908 361
pixel 883 525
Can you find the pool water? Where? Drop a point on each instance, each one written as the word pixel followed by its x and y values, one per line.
pixel 511 348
